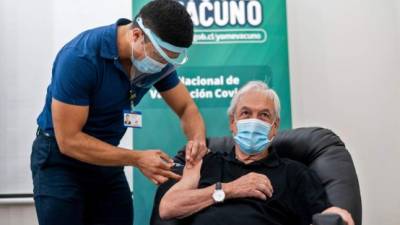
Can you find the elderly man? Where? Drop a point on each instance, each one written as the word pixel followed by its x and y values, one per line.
pixel 250 185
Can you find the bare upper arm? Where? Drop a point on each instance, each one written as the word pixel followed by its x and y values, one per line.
pixel 190 178
pixel 68 120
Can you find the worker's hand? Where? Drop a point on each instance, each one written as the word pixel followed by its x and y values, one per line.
pixel 155 165
pixel 250 185
pixel 194 152
pixel 346 216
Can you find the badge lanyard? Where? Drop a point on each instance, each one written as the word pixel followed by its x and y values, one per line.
pixel 131 117
pixel 132 96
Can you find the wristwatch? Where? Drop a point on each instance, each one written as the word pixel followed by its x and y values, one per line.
pixel 219 194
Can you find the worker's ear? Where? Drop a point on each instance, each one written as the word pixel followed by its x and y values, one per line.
pixel 136 42
pixel 136 34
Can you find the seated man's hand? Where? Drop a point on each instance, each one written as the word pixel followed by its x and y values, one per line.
pixel 195 151
pixel 346 216
pixel 250 185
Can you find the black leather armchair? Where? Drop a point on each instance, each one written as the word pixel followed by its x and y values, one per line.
pixel 318 148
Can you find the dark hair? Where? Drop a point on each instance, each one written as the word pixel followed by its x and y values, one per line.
pixel 169 20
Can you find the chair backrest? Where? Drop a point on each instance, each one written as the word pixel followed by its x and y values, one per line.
pixel 323 152
pixel 318 148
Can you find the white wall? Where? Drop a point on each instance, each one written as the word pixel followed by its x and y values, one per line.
pixel 31 34
pixel 345 75
pixel 25 56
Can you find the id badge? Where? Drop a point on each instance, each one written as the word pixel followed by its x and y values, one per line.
pixel 132 119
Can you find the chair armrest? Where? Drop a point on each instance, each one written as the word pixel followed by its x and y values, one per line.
pixel 327 219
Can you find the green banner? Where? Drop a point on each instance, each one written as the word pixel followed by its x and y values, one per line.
pixel 235 41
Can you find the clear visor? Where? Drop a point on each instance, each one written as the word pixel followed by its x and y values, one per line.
pixel 147 80
pixel 180 57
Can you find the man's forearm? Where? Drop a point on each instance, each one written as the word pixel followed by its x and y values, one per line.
pixel 91 150
pixel 184 198
pixel 183 203
pixel 193 124
pixel 180 201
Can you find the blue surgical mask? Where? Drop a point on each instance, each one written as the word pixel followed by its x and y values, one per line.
pixel 147 64
pixel 252 135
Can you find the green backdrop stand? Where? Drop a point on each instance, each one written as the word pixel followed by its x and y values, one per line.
pixel 235 42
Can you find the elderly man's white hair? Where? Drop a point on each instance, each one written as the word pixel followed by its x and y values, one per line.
pixel 257 86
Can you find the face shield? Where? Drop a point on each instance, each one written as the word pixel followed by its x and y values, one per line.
pixel 146 80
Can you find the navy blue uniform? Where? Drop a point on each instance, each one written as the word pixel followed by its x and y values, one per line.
pixel 86 72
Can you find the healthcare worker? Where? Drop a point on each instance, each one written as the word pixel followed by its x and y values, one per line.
pixel 97 79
